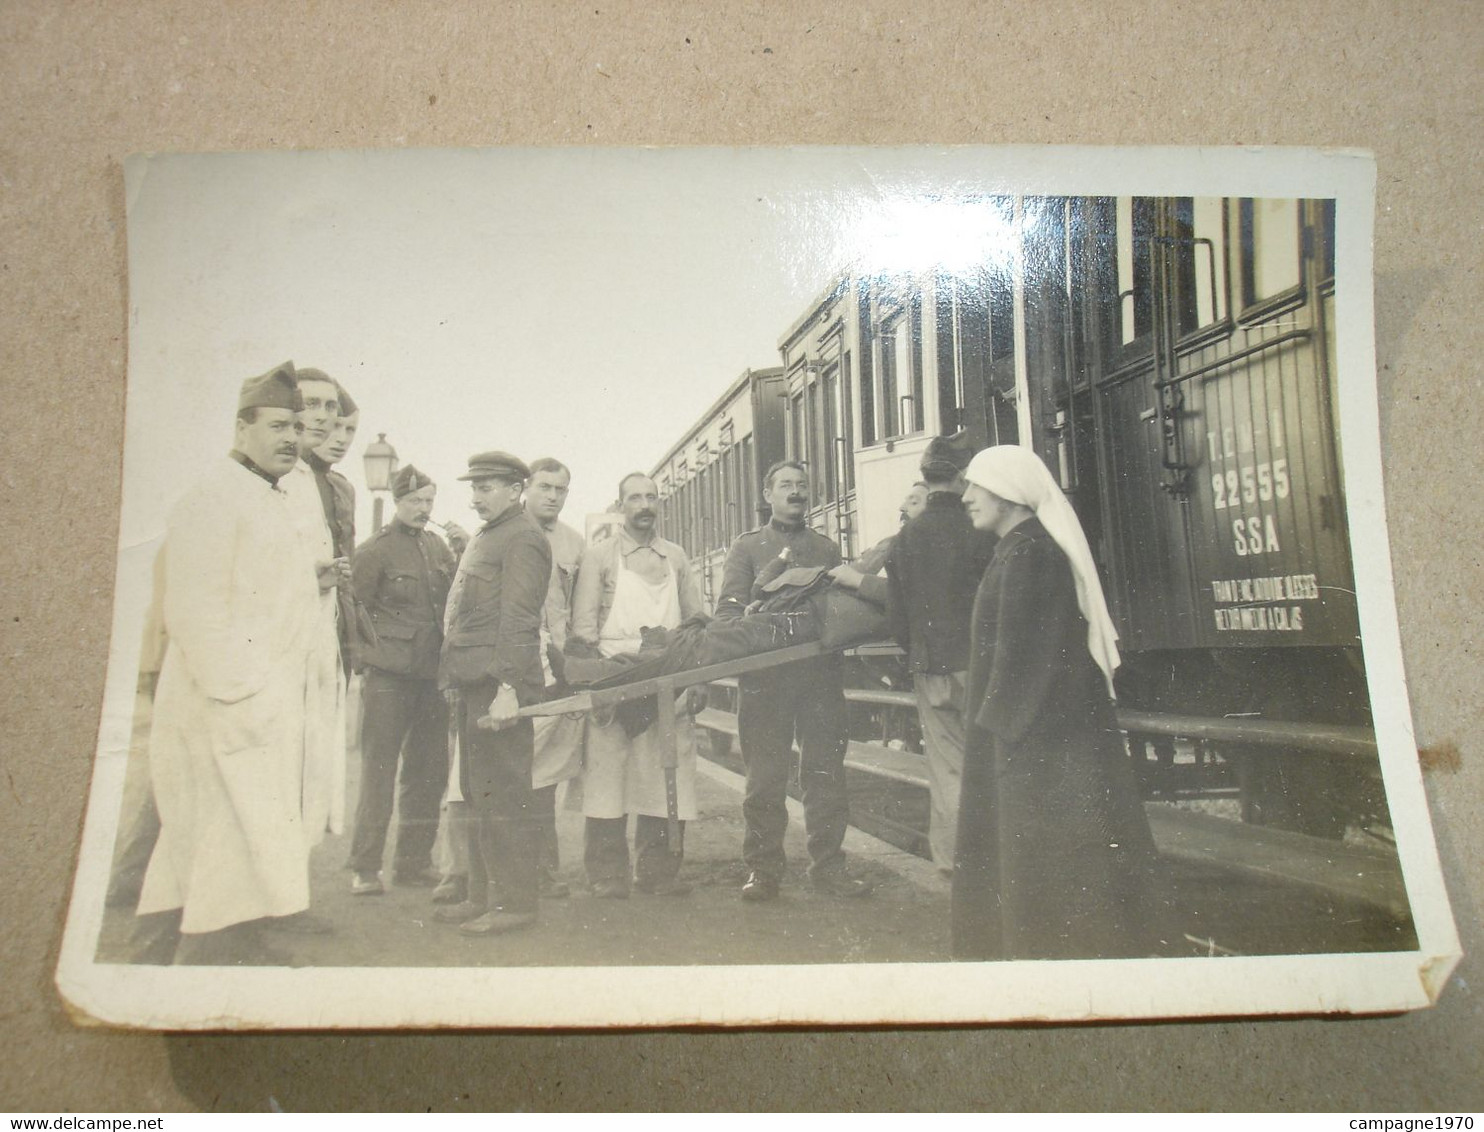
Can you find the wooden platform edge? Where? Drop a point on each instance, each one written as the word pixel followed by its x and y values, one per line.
pixel 1371 877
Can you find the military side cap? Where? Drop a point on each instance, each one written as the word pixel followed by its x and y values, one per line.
pixel 348 406
pixel 496 465
pixel 956 450
pixel 407 480
pixel 276 389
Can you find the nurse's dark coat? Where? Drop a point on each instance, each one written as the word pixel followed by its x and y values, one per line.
pixel 1053 845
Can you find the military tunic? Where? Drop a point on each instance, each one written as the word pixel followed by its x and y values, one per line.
pixel 492 638
pixel 402 577
pixel 803 698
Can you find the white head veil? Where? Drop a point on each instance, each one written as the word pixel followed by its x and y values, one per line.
pixel 1016 473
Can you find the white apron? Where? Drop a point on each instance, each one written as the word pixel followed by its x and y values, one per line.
pixel 558 739
pixel 622 775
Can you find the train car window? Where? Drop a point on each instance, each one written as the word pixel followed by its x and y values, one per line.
pixel 999 287
pixel 708 510
pixel 847 454
pixel 1197 243
pixel 901 375
pixel 693 507
pixel 829 430
pixel 889 364
pixel 949 334
pixel 1134 228
pixel 750 486
pixel 798 446
pixel 819 441
pixel 913 413
pixel 1268 233
pixel 726 490
pixel 717 502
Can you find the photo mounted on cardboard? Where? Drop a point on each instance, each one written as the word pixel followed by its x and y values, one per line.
pixel 1130 739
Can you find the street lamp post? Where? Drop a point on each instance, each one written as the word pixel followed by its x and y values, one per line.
pixel 381 464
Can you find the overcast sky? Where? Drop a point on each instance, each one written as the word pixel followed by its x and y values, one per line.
pixel 584 303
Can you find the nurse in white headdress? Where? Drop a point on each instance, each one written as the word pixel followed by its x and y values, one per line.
pixel 1053 845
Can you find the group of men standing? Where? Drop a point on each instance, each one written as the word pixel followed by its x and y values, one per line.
pixel 268 606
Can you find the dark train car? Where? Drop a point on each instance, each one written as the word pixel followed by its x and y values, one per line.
pixel 1182 363
pixel 1173 361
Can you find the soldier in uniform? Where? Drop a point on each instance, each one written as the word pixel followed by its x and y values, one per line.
pixel 491 662
pixel 402 574
pixel 803 698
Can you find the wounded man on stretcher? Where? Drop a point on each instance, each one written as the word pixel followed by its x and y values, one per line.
pixel 796 607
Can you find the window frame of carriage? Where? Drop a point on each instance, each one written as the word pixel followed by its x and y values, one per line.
pixel 1136 352
pixel 818 402
pixel 898 308
pixel 1257 309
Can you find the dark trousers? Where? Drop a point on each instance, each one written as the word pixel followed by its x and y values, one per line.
pixel 406 719
pixel 605 849
pixel 496 780
pixel 803 699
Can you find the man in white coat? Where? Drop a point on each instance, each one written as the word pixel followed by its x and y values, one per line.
pixel 632 581
pixel 228 740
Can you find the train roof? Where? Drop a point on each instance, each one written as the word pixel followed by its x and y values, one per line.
pixel 744 379
pixel 826 296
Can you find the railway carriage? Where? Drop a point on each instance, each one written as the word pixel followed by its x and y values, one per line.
pixel 1173 361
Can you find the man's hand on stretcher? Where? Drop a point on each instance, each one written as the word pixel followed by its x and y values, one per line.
pixel 504 709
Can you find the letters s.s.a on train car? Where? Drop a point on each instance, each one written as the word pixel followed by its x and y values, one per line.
pixel 1209 392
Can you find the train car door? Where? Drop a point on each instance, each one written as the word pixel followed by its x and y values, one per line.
pixel 1216 444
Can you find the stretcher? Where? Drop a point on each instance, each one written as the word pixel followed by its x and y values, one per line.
pixel 665 688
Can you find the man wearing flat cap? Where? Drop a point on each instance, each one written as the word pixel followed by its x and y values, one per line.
pixel 227 747
pixel 491 663
pixel 401 575
pixel 933 569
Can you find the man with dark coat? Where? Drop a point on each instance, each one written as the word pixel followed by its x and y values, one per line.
pixel 933 568
pixel 804 697
pixel 339 499
pixel 492 663
pixel 402 574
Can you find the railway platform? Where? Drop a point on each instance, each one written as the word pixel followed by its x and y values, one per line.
pixel 1210 910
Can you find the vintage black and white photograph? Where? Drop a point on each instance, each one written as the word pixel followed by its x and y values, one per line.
pixel 736 587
